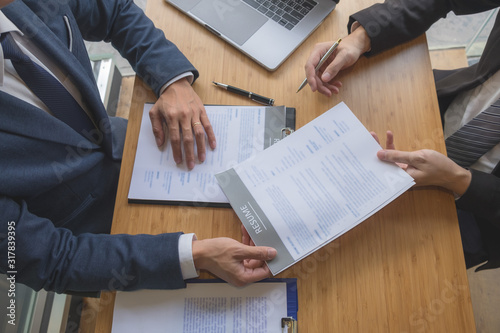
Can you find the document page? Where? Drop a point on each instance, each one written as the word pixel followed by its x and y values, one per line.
pixel 241 132
pixel 203 307
pixel 313 186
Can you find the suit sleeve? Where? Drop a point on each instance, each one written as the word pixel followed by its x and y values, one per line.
pixel 155 59
pixel 51 258
pixel 397 21
pixel 482 197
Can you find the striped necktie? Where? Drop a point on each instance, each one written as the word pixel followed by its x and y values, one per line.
pixel 46 87
pixel 475 138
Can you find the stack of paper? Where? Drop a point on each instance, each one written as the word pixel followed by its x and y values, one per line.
pixel 312 187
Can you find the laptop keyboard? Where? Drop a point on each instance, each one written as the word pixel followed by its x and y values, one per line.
pixel 287 13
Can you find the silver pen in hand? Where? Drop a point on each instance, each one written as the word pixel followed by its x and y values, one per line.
pixel 321 62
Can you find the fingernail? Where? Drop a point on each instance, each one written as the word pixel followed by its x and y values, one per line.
pixel 213 144
pixel 326 77
pixel 202 157
pixel 271 253
pixel 158 142
pixel 190 165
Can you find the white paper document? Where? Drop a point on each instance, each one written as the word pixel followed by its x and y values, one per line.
pixel 313 186
pixel 203 307
pixel 241 132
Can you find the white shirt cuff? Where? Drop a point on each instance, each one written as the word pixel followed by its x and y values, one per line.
pixel 186 256
pixel 190 76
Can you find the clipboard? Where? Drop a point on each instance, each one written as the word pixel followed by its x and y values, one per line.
pixel 241 132
pixel 212 303
pixel 288 323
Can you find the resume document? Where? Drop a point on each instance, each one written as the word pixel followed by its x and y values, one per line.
pixel 313 186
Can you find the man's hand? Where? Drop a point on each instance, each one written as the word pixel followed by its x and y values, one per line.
pixel 247 240
pixel 346 55
pixel 182 110
pixel 228 259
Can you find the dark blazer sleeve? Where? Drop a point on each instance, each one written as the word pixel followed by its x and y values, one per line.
pixel 44 256
pixel 59 243
pixel 483 197
pixel 155 59
pixel 396 21
pixel 483 200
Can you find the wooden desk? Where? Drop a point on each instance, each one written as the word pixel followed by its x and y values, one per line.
pixel 400 271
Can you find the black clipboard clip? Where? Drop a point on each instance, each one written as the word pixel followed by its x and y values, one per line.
pixel 286 131
pixel 288 325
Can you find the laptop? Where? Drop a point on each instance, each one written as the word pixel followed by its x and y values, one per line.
pixel 268 31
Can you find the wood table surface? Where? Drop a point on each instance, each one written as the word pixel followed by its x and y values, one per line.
pixel 402 270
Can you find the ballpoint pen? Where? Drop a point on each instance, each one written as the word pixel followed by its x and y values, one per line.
pixel 321 62
pixel 251 95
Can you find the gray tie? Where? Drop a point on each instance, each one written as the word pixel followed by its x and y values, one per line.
pixel 475 138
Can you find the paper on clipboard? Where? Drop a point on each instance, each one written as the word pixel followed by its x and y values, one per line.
pixel 208 306
pixel 241 132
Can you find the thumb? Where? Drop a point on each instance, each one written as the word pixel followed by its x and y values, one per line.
pixel 394 156
pixel 331 71
pixel 341 58
pixel 258 252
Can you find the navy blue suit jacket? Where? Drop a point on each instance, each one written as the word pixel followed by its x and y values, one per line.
pixel 57 188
